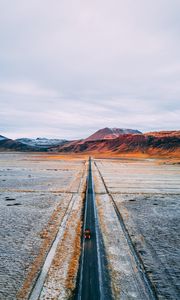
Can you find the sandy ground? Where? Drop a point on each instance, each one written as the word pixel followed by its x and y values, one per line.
pixel 61 279
pixel 147 194
pixel 36 191
pixel 34 195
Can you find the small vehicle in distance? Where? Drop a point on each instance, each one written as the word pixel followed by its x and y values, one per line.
pixel 87 233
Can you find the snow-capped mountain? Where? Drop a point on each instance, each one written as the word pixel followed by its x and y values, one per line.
pixel 2 138
pixel 111 133
pixel 41 142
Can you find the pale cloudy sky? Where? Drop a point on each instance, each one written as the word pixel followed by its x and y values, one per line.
pixel 70 67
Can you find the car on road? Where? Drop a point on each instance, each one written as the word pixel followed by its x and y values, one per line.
pixel 87 233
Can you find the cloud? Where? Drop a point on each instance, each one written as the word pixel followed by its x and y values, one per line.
pixel 71 67
pixel 25 89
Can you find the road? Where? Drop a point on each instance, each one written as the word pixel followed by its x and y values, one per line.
pixel 89 281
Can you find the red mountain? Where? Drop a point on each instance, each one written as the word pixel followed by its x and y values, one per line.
pixel 154 143
pixel 110 133
pixel 164 133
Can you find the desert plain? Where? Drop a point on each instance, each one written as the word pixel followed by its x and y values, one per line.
pixel 41 211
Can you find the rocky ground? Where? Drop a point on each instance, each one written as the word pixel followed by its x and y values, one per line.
pixel 147 195
pixel 41 201
pixel 35 192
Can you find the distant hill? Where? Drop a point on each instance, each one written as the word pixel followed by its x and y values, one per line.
pixel 110 133
pixel 164 133
pixel 106 141
pixel 2 138
pixel 41 142
pixel 11 145
pixel 26 144
pixel 153 143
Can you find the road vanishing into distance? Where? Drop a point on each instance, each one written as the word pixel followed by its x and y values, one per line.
pixel 92 284
pixel 130 207
pixel 90 273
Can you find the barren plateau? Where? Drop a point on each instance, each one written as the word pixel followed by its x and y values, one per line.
pixel 42 207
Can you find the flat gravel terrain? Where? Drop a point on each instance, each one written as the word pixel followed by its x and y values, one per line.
pixel 147 195
pixel 37 190
pixel 31 188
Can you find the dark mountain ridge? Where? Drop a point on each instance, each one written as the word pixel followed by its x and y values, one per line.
pixel 11 145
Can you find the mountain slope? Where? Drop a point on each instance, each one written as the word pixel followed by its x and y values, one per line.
pixel 110 133
pixel 164 133
pixel 2 138
pixel 41 142
pixel 129 143
pixel 11 145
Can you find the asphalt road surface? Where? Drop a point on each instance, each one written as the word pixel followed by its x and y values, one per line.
pixel 89 283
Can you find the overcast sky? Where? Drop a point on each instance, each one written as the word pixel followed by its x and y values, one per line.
pixel 70 67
